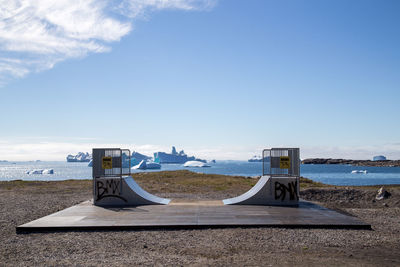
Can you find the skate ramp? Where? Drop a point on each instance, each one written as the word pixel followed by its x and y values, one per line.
pixel 276 191
pixel 124 192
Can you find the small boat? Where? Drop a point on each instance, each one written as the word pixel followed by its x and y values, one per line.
pixel 359 171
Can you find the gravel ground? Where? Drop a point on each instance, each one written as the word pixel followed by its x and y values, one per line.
pixel 230 246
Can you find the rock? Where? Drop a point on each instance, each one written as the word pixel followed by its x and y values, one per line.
pixel 380 163
pixel 382 194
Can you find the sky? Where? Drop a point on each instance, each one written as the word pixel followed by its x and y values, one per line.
pixel 221 79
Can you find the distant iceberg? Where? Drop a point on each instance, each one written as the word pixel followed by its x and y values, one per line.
pixel 195 163
pixel 48 171
pixel 143 165
pixel 378 158
pixel 256 158
pixel 80 157
pixel 360 171
pixel 136 158
pixel 153 165
pixel 41 171
pixel 174 157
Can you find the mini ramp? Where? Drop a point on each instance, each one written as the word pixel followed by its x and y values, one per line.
pixel 124 192
pixel 282 191
pixel 114 186
pixel 279 184
pixel 112 183
pixel 258 207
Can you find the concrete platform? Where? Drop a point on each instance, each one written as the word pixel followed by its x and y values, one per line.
pixel 191 214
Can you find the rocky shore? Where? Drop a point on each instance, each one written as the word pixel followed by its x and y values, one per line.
pixel 21 202
pixel 379 163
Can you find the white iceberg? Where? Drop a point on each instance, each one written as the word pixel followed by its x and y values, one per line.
pixel 140 166
pixel 41 171
pixel 80 157
pixel 195 163
pixel 48 171
pixel 153 165
pixel 359 171
pixel 143 165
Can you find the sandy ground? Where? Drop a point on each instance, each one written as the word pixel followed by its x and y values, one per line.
pixel 23 202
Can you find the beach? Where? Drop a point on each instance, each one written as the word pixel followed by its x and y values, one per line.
pixel 23 201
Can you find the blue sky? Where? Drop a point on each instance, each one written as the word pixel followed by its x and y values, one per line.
pixel 221 79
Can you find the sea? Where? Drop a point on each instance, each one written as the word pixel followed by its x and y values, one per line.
pixel 328 174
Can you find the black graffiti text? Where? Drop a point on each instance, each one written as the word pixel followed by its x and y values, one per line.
pixel 109 188
pixel 281 190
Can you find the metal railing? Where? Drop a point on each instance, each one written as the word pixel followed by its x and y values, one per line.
pixel 281 162
pixel 110 163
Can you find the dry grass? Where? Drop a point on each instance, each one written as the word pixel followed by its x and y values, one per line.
pixel 191 182
pixel 308 183
pixel 24 201
pixel 171 182
pixel 46 186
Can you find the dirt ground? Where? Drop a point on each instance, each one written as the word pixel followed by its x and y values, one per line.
pixel 21 202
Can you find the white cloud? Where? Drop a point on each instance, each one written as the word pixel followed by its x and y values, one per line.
pixel 37 34
pixel 134 8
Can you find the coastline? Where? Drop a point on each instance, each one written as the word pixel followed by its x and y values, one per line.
pixel 366 163
pixel 23 201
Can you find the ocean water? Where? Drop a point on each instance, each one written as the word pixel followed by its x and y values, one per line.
pixel 329 174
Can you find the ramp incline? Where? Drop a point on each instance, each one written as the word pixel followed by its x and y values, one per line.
pixel 110 192
pixel 282 191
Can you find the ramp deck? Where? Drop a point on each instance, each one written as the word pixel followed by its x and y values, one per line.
pixel 191 214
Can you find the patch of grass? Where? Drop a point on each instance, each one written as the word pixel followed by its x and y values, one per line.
pixel 190 182
pixel 46 185
pixel 308 183
pixel 182 181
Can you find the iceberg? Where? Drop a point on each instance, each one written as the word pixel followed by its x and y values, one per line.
pixel 255 159
pixel 174 157
pixel 80 157
pixel 140 166
pixel 48 171
pixel 41 171
pixel 153 165
pixel 136 158
pixel 360 171
pixel 143 165
pixel 195 163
